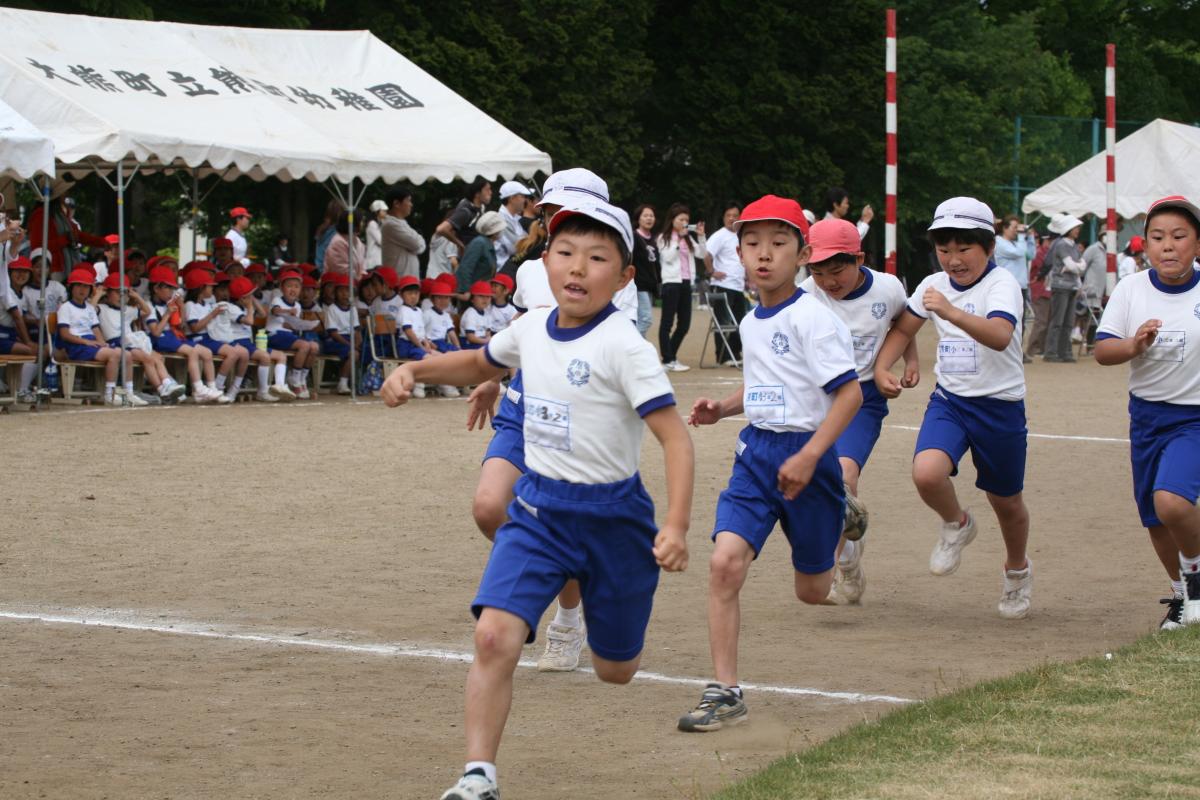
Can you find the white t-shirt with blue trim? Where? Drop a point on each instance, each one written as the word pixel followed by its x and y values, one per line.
pixel 586 391
pixel 1169 371
pixel 79 320
pixel 276 322
pixel 437 324
pixel 796 354
pixel 964 366
pixel 868 312
pixel 475 322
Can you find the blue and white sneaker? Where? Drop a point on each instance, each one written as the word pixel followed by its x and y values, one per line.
pixel 474 785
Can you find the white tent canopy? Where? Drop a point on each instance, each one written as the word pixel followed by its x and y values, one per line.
pixel 247 102
pixel 24 150
pixel 1160 159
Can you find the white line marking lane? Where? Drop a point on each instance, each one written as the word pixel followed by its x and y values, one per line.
pixel 127 621
pixel 1053 436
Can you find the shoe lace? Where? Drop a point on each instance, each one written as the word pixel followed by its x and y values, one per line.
pixel 1174 608
pixel 557 641
pixel 713 698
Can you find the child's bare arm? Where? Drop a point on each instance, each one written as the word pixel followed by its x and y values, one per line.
pixel 1109 352
pixel 455 369
pixel 894 344
pixel 798 470
pixel 994 333
pixel 708 412
pixel 670 545
pixel 411 335
pixel 912 365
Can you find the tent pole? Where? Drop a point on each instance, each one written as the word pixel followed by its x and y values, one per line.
pixel 195 210
pixel 125 376
pixel 41 354
pixel 353 285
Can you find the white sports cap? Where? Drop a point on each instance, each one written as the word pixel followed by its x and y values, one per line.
pixel 570 187
pixel 38 252
pixel 602 212
pixel 377 206
pixel 964 213
pixel 1064 223
pixel 511 188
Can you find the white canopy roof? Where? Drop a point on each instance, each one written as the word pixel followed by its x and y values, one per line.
pixel 1160 159
pixel 24 150
pixel 283 103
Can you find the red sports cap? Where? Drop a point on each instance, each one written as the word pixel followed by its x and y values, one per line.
pixel 407 282
pixel 388 276
pixel 773 207
pixel 20 263
pixel 256 269
pixel 198 278
pixel 113 281
pixel 1137 244
pixel 442 289
pixel 112 238
pixel 309 282
pixel 481 287
pixel 291 275
pixel 222 277
pixel 336 278
pixel 222 242
pixel 239 212
pixel 427 285
pixel 162 275
pixel 240 287
pixel 504 281
pixel 832 236
pixel 81 275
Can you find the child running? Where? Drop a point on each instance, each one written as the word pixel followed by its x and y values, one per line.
pixel 800 391
pixel 868 302
pixel 979 401
pixel 580 510
pixel 1152 322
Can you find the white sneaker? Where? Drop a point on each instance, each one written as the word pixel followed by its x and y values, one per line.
pixel 1018 592
pixel 418 390
pixel 265 397
pixel 473 787
pixel 115 400
pixel 343 388
pixel 449 391
pixel 26 396
pixel 135 401
pixel 849 580
pixel 301 391
pixel 172 392
pixel 1191 598
pixel 223 399
pixel 282 392
pixel 948 551
pixel 563 646
pixel 1076 336
pixel 675 366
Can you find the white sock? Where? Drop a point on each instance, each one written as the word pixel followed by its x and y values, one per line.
pixel 489 769
pixel 28 373
pixel 1177 588
pixel 219 383
pixel 568 617
pixel 736 690
pixel 237 383
pixel 293 376
pixel 109 388
pixel 128 387
pixel 848 552
pixel 264 378
pixel 1189 564
pixel 280 375
pixel 343 383
pixel 304 375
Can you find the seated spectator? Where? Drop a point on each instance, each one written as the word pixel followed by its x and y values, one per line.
pixel 117 322
pixel 164 324
pixel 201 311
pixel 439 321
pixel 501 312
pixel 476 331
pixel 79 337
pixel 15 327
pixel 341 323
pixel 283 317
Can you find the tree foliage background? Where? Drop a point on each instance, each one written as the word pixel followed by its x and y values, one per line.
pixel 708 100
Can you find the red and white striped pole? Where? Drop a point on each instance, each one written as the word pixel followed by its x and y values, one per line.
pixel 1110 147
pixel 889 219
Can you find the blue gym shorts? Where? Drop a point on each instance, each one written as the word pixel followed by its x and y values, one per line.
pixel 332 347
pixel 994 430
pixel 83 352
pixel 600 534
pixel 444 345
pixel 168 342
pixel 1164 446
pixel 6 346
pixel 752 503
pixel 860 436
pixel 508 441
pixel 281 340
pixel 406 349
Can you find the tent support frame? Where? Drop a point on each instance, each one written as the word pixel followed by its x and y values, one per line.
pixel 119 187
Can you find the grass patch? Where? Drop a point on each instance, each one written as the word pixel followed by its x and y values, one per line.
pixel 1122 728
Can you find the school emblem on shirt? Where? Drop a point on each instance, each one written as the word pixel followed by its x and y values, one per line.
pixel 1196 310
pixel 578 372
pixel 878 310
pixel 969 308
pixel 780 344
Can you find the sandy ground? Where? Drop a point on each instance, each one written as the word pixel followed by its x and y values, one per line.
pixel 335 523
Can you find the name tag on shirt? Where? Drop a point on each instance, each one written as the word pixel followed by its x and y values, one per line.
pixel 548 423
pixel 864 350
pixel 767 403
pixel 513 395
pixel 958 357
pixel 1168 346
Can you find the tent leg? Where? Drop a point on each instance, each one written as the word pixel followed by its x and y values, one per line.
pixel 41 354
pixel 125 376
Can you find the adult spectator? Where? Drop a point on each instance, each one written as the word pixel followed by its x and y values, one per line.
pixel 1063 265
pixel 679 244
pixel 375 234
pixel 401 244
pixel 513 197
pixel 1039 298
pixel 443 255
pixel 837 205
pixel 1093 284
pixel 1014 251
pixel 1130 260
pixel 237 234
pixel 460 226
pixel 337 254
pixel 530 247
pixel 281 254
pixel 65 235
pixel 645 262
pixel 530 214
pixel 479 260
pixel 325 232
pixel 728 276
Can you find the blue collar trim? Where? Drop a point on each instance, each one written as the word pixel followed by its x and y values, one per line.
pixel 571 334
pixel 958 287
pixel 868 279
pixel 1173 289
pixel 766 312
pixel 77 305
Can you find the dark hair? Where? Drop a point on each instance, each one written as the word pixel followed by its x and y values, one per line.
pixel 834 195
pixel 940 237
pixel 396 195
pixel 343 222
pixel 673 211
pixel 475 187
pixel 1195 223
pixel 332 209
pixel 637 214
pixel 1004 223
pixel 798 233
pixel 728 204
pixel 835 260
pixel 579 224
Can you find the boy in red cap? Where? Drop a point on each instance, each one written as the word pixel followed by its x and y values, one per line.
pixel 474 320
pixel 79 335
pixel 869 303
pixel 341 321
pixel 439 321
pixel 388 304
pixel 800 391
pixel 501 312
pixel 165 326
pixel 115 321
pixel 14 324
pixel 413 341
pixel 283 323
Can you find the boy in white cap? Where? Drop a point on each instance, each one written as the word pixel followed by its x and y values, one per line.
pixel 869 303
pixel 513 196
pixel 979 401
pixel 1152 322
pixel 592 384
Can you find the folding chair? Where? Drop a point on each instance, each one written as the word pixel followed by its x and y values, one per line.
pixel 383 325
pixel 721 326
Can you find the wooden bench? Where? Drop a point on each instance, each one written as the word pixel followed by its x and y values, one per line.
pixel 12 374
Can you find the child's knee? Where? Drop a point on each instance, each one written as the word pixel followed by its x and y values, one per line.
pixel 1171 508
pixel 813 589
pixel 1011 507
pixel 499 636
pixel 490 511
pixel 619 672
pixel 929 473
pixel 727 567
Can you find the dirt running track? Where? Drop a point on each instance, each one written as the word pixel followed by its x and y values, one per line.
pixel 339 523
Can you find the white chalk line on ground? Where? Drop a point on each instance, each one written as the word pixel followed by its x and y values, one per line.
pixel 107 619
pixel 1053 436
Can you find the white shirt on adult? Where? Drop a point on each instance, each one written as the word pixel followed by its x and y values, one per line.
pixel 239 246
pixel 722 246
